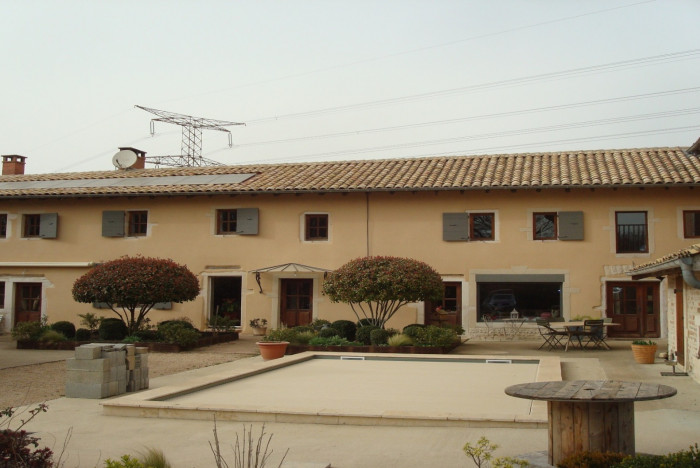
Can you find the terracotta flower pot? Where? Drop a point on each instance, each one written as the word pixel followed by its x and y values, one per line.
pixel 272 349
pixel 644 354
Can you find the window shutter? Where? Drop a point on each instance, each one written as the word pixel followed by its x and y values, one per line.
pixel 455 227
pixel 113 224
pixel 163 305
pixel 570 225
pixel 100 305
pixel 247 221
pixel 48 225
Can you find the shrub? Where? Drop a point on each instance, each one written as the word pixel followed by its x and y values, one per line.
pixel 346 329
pixel 183 322
pixel 18 448
pixel 83 334
pixel 281 334
pixel 588 459
pixel 399 340
pixel 179 333
pixel 52 336
pixel 332 341
pixel 319 323
pixel 27 330
pixel 413 329
pixel 378 337
pixel 363 334
pixel 220 323
pixel 64 327
pixel 91 321
pixel 113 329
pixel 328 332
pixel 683 459
pixel 147 335
pixel 304 328
pixel 303 337
pixel 434 336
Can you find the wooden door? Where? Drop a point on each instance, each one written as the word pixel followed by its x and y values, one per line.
pixel 635 307
pixel 27 302
pixel 680 323
pixel 296 301
pixel 450 308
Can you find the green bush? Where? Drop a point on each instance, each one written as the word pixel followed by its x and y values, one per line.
pixel 332 341
pixel 112 329
pixel 147 335
pixel 413 329
pixel 683 459
pixel 67 328
pixel 588 459
pixel 303 338
pixel 281 334
pixel 319 323
pixel 179 333
pixel 184 322
pixel 346 329
pixel 52 336
pixel 399 340
pixel 83 334
pixel 378 337
pixel 363 334
pixel 27 330
pixel 328 332
pixel 434 336
pixel 220 323
pixel 304 328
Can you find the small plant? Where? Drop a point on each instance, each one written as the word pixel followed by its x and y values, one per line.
pixel 248 451
pixel 328 332
pixel 304 337
pixel 318 324
pixel 591 460
pixel 154 458
pixel 83 334
pixel 681 459
pixel 332 341
pixel 378 337
pixel 364 334
pixel 258 323
pixel 52 336
pixel 399 340
pixel 434 336
pixel 19 448
pixel 280 334
pixel 178 332
pixel 413 329
pixel 643 343
pixel 28 330
pixel 482 453
pixel 90 321
pixel 220 323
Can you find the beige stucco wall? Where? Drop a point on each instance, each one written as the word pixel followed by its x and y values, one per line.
pixel 402 224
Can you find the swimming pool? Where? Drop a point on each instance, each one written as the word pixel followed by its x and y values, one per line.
pixel 344 388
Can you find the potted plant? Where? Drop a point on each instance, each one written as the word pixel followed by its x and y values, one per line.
pixel 644 351
pixel 259 326
pixel 274 345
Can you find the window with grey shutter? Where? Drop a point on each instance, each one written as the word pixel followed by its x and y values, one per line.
pixel 570 225
pixel 113 224
pixel 48 225
pixel 455 227
pixel 247 219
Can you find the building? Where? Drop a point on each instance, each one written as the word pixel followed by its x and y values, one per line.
pixel 546 234
pixel 682 294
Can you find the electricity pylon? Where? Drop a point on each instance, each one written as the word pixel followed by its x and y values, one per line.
pixel 191 146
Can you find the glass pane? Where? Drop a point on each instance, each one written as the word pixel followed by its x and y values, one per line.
pixel 544 226
pixel 450 292
pixel 292 302
pixel 482 226
pixel 304 303
pixel 305 288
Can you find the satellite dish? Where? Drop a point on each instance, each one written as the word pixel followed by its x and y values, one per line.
pixel 124 159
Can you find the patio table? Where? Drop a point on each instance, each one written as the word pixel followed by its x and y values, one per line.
pixel 593 415
pixel 572 327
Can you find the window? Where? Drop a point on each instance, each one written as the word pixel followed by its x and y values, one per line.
pixel 468 226
pixel 631 231
pixel 2 296
pixel 691 224
pixel 242 221
pixel 533 296
pixel 123 223
pixel 3 225
pixel 43 225
pixel 138 223
pixel 544 226
pixel 316 227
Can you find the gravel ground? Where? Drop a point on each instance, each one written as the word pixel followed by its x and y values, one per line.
pixel 36 383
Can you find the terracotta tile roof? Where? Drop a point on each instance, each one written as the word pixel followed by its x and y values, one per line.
pixel 582 169
pixel 663 264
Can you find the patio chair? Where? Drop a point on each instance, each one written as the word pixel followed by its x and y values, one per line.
pixel 594 331
pixel 552 337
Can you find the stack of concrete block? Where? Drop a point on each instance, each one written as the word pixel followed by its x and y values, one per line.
pixel 102 370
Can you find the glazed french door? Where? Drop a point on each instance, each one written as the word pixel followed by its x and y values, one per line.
pixel 296 301
pixel 449 310
pixel 635 307
pixel 27 302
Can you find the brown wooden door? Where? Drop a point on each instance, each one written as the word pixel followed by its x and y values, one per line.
pixel 450 307
pixel 680 323
pixel 27 302
pixel 635 307
pixel 296 301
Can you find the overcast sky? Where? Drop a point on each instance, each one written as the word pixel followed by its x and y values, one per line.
pixel 329 80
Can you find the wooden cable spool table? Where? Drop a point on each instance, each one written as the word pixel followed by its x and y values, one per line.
pixel 593 415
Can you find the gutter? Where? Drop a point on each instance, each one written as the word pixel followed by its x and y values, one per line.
pixel 686 264
pixel 49 264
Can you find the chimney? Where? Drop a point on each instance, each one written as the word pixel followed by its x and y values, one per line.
pixel 13 164
pixel 140 157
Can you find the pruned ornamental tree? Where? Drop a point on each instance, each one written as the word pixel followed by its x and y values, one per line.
pixel 377 287
pixel 131 286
